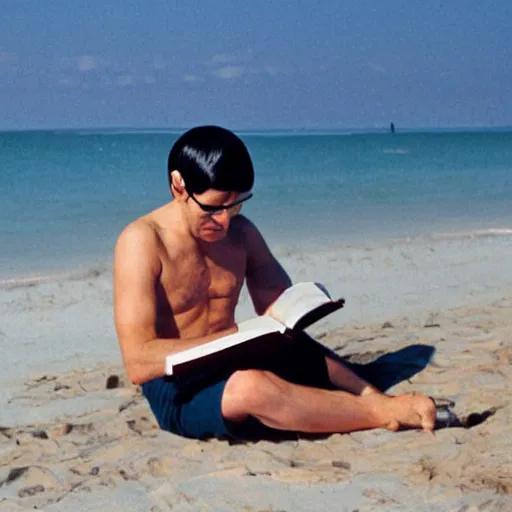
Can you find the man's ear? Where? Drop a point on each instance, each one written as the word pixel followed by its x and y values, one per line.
pixel 177 184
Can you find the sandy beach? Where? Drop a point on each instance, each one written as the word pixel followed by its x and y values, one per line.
pixel 433 314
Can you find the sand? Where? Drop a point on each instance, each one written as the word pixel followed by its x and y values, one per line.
pixel 76 435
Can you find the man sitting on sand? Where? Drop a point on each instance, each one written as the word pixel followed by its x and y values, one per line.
pixel 178 273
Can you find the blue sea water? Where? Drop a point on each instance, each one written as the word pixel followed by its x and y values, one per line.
pixel 64 196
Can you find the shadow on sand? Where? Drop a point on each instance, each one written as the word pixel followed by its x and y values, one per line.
pixel 387 369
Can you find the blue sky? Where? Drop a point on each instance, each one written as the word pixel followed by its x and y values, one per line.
pixel 255 64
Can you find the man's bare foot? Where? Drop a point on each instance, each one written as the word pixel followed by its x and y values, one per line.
pixel 370 390
pixel 412 410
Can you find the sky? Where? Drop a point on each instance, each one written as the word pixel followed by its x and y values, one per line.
pixel 275 64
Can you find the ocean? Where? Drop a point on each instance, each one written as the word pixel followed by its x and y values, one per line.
pixel 65 195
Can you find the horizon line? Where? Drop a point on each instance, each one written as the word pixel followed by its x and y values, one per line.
pixel 348 130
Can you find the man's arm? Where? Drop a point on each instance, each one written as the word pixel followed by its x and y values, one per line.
pixel 265 277
pixel 266 280
pixel 137 268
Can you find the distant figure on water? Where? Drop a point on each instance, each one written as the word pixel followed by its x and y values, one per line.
pixel 392 127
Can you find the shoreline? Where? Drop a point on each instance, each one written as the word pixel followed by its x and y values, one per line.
pixel 85 268
pixel 65 320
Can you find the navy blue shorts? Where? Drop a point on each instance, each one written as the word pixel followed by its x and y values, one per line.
pixel 191 406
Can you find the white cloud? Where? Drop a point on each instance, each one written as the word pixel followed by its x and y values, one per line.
pixel 84 63
pixel 192 78
pixel 227 67
pixel 265 70
pixel 229 72
pixel 7 57
pixel 158 62
pixel 125 80
pixel 67 81
pixel 378 68
pixel 223 59
pixel 270 70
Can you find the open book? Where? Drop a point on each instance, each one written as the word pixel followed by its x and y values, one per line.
pixel 296 308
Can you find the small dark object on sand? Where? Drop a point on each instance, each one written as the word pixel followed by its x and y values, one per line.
pixel 112 382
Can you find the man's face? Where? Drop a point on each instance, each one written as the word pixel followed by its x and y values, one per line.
pixel 211 212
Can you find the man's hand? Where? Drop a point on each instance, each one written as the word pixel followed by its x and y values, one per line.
pixel 268 312
pixel 231 330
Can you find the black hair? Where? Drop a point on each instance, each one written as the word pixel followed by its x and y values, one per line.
pixel 211 157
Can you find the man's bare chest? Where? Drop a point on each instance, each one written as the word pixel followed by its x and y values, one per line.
pixel 198 280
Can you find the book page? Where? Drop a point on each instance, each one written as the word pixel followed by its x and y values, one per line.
pixel 297 301
pixel 248 330
pixel 261 322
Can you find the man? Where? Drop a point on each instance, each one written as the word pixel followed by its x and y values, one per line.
pixel 178 272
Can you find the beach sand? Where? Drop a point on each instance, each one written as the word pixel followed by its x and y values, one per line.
pixel 436 315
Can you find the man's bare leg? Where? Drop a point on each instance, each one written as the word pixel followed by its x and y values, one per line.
pixel 339 374
pixel 344 378
pixel 286 406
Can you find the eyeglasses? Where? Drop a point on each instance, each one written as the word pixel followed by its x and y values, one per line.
pixel 232 208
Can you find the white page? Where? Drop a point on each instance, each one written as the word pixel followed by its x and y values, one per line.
pixel 297 301
pixel 261 322
pixel 253 328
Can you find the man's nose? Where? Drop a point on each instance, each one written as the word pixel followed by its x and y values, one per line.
pixel 222 218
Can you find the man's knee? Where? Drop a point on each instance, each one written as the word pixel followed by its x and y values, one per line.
pixel 247 392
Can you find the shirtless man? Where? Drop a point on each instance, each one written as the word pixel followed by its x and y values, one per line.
pixel 178 272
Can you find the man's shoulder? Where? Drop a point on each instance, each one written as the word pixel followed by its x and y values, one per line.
pixel 141 231
pixel 148 227
pixel 139 241
pixel 147 238
pixel 241 226
pixel 244 231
